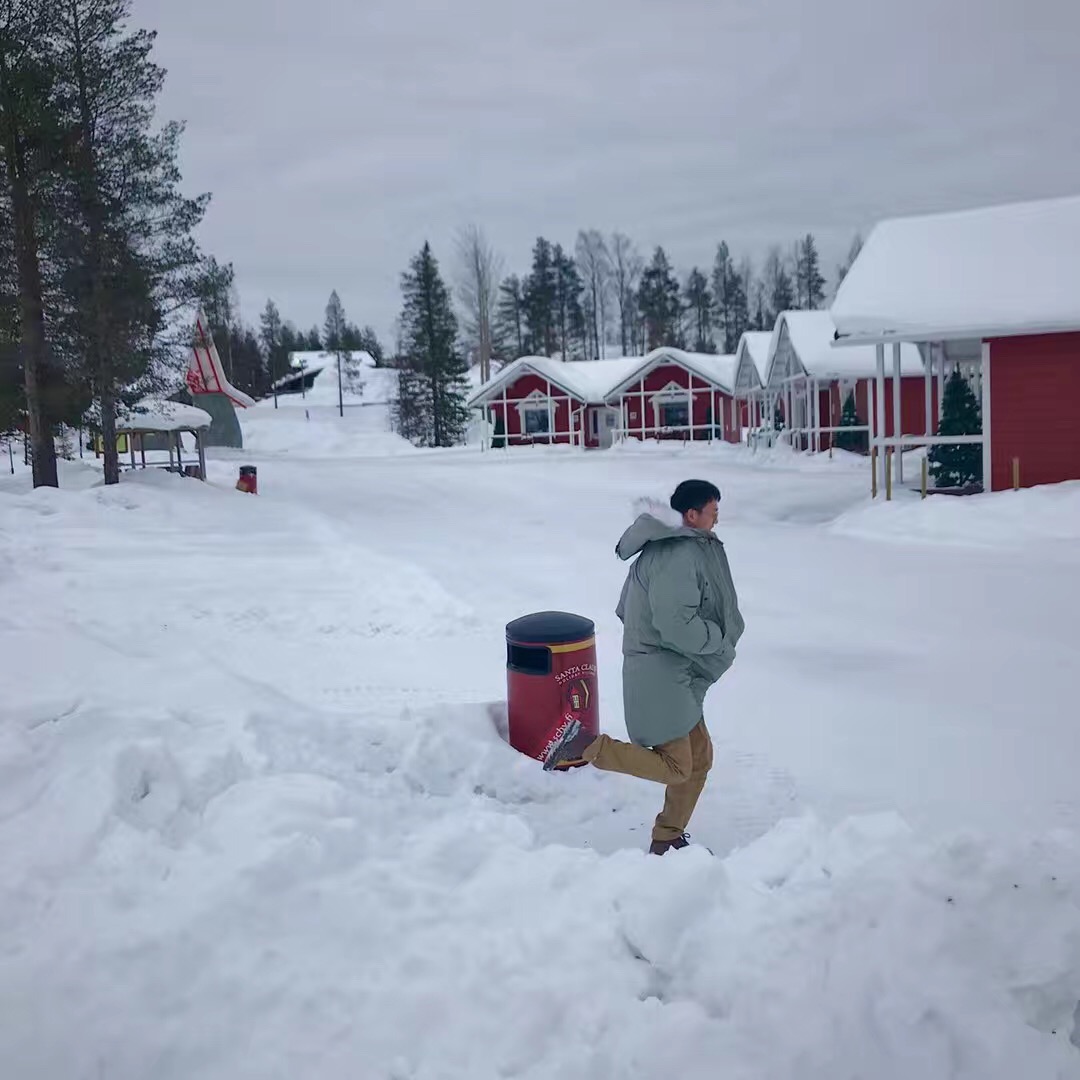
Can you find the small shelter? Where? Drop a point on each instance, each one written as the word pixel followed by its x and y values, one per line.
pixel 751 371
pixel 160 425
pixel 992 292
pixel 809 380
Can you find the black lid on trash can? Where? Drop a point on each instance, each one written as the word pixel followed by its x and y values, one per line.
pixel 550 628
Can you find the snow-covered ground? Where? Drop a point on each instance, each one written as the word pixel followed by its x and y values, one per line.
pixel 256 819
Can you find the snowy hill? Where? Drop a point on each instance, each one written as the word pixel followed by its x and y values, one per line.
pixel 308 423
pixel 257 820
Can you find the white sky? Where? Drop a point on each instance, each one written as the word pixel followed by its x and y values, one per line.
pixel 336 138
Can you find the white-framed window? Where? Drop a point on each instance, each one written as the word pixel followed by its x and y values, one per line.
pixel 671 407
pixel 536 413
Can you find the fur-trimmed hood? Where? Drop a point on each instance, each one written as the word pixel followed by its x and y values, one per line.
pixel 655 521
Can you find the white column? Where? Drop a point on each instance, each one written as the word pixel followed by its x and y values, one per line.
pixel 928 386
pixel 506 420
pixel 940 381
pixel 987 446
pixel 879 395
pixel 898 420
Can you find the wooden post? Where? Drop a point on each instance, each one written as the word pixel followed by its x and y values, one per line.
pixel 1016 473
pixel 873 473
pixel 925 475
pixel 888 473
pixel 201 446
pixel 142 448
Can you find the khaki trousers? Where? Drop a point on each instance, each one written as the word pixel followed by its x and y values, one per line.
pixel 682 765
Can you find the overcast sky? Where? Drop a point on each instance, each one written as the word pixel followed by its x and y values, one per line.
pixel 337 136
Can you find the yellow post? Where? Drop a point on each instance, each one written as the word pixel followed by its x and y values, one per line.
pixel 925 473
pixel 888 473
pixel 1016 474
pixel 873 472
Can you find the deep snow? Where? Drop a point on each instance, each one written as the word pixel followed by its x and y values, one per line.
pixel 256 819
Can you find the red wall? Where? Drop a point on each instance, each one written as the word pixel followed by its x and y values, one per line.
pixel 521 388
pixel 912 405
pixel 1034 390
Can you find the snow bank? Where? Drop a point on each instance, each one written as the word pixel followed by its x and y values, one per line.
pixel 251 826
pixel 1001 519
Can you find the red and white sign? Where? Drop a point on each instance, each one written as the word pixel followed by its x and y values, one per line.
pixel 205 375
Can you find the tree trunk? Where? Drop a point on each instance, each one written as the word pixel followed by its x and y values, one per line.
pixel 107 403
pixel 36 374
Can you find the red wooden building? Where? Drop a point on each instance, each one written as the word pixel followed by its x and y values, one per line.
pixel 994 293
pixel 669 394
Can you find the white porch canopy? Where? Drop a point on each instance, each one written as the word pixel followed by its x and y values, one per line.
pixel 950 282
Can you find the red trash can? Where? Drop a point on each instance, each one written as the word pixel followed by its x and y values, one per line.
pixel 550 679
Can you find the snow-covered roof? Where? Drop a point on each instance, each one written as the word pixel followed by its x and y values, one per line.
pixel 587 380
pixel 309 358
pixel 991 272
pixel 717 369
pixel 595 381
pixel 154 415
pixel 754 350
pixel 812 336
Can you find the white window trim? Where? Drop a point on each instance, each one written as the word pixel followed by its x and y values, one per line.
pixel 536 402
pixel 673 394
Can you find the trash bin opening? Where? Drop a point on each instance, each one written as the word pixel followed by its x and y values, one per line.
pixel 528 659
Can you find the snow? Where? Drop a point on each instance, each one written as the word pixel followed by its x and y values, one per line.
pixel 153 415
pixel 754 349
pixel 256 818
pixel 994 271
pixel 812 338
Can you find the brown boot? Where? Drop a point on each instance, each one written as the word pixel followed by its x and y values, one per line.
pixel 568 749
pixel 660 847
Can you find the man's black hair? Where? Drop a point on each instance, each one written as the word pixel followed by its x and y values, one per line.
pixel 694 495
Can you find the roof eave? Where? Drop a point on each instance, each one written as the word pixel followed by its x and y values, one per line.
pixel 919 335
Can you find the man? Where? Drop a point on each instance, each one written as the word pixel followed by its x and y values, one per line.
pixel 681 623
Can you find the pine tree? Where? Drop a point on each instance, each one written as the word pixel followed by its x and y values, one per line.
pixel 849 417
pixel 659 303
pixel 433 389
pixel 809 283
pixel 335 333
pixel 272 337
pixel 778 295
pixel 539 293
pixel 129 252
pixel 510 319
pixel 570 319
pixel 369 343
pixel 29 81
pixel 699 306
pixel 958 466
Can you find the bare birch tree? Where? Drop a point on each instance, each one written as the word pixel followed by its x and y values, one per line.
pixel 594 265
pixel 479 272
pixel 626 268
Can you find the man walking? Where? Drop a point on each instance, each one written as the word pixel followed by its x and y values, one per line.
pixel 681 622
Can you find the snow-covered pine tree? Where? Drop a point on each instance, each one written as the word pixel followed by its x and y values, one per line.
pixel 699 308
pixel 849 417
pixel 433 389
pixel 960 465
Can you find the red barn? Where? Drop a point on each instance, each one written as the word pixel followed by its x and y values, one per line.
pixel 991 292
